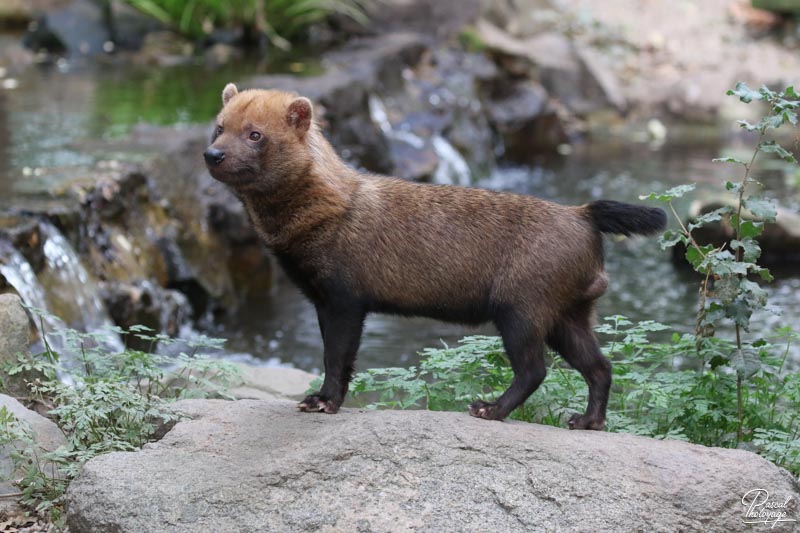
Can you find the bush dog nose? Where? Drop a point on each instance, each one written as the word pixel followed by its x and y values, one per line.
pixel 213 157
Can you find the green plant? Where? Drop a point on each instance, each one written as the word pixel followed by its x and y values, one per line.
pixel 278 20
pixel 471 40
pixel 728 290
pixel 661 390
pixel 42 484
pixel 103 400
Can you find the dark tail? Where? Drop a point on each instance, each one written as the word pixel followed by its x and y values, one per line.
pixel 618 218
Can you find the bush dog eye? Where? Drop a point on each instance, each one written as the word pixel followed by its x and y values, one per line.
pixel 255 136
pixel 359 243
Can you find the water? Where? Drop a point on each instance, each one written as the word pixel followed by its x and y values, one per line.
pixel 20 275
pixel 48 123
pixel 72 292
pixel 63 294
pixel 452 168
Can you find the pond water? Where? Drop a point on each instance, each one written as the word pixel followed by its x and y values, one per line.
pixel 48 121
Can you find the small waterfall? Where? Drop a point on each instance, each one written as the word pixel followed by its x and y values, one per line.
pixel 377 112
pixel 74 295
pixel 19 274
pixel 452 166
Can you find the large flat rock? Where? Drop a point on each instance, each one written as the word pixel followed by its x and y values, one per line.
pixel 262 466
pixel 271 383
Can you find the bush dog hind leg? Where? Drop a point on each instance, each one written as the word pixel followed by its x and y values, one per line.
pixel 573 338
pixel 525 349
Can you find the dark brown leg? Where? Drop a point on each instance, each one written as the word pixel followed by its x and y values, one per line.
pixel 574 339
pixel 341 335
pixel 525 351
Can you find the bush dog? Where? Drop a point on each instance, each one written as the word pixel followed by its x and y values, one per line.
pixel 356 243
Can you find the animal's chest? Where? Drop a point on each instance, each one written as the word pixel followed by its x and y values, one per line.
pixel 313 275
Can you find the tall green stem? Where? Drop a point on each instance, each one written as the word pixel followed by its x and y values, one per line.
pixel 738 255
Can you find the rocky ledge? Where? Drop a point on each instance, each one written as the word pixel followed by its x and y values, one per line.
pixel 262 466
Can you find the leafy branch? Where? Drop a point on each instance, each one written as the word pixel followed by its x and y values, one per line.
pixel 727 283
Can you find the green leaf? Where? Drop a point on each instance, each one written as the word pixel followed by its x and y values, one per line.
pixel 772 147
pixel 745 93
pixel 771 122
pixel 782 104
pixel 671 238
pixel 790 92
pixel 764 273
pixel 746 362
pixel 711 216
pixel 727 160
pixel 671 194
pixel 739 268
pixel 750 229
pixel 761 208
pixel 748 126
pixel 722 255
pixel 718 361
pixel 695 256
pixel 739 311
pixel 755 295
pixel 750 249
pixel 727 288
pixel 733 186
pixel 767 93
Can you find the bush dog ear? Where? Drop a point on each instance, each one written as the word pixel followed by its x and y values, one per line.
pixel 229 92
pixel 299 114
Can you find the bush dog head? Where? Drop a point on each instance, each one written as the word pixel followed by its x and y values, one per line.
pixel 358 243
pixel 255 135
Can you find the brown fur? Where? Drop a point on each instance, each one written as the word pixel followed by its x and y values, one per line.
pixel 358 243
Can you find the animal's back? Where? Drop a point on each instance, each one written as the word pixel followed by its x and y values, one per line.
pixel 419 245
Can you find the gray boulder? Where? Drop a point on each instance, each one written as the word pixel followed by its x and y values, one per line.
pixel 47 436
pixel 15 13
pixel 262 466
pixel 271 383
pixel 525 118
pixel 441 19
pixel 570 72
pixel 14 337
pixel 75 28
pixel 14 327
pixel 129 26
pixel 24 233
pixel 145 303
